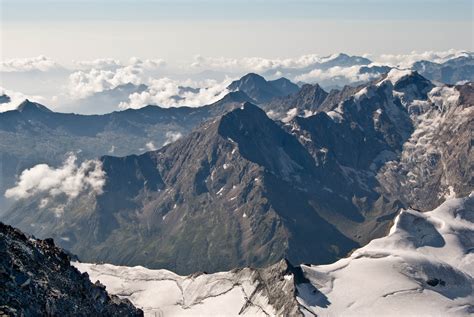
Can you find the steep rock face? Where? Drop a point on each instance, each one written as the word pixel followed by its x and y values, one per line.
pixel 437 160
pixel 36 279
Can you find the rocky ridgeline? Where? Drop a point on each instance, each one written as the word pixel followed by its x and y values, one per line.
pixel 36 279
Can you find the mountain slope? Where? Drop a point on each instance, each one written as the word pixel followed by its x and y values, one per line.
pixel 231 171
pixel 33 134
pixel 36 279
pixel 424 266
pixel 245 190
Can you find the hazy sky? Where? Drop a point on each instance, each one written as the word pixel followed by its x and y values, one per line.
pixel 177 30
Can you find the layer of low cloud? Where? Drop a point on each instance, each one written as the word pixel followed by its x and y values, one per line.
pixel 69 179
pixel 336 74
pixel 257 64
pixel 207 74
pixel 166 92
pixel 85 83
pixel 111 63
pixel 406 60
pixel 39 63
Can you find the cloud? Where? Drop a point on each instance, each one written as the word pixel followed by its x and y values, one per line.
pixel 69 179
pixel 83 84
pixel 166 92
pixel 406 60
pixel 106 74
pixel 111 63
pixel 16 98
pixel 39 63
pixel 100 63
pixel 150 146
pixel 259 64
pixel 336 73
pixel 147 64
pixel 172 136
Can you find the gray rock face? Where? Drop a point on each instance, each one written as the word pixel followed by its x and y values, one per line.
pixel 36 279
pixel 436 162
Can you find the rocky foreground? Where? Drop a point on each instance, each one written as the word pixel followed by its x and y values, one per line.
pixel 36 279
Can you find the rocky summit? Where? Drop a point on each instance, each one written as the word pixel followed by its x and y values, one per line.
pixel 37 279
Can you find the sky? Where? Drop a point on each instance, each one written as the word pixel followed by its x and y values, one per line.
pixel 177 30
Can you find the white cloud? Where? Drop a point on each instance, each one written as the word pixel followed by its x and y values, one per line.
pixel 69 179
pixel 166 92
pixel 111 63
pixel 147 64
pixel 406 60
pixel 258 64
pixel 40 63
pixel 172 136
pixel 150 146
pixel 336 73
pixel 100 63
pixel 83 83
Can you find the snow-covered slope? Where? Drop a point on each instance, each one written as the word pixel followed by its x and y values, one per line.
pixel 424 267
pixel 248 292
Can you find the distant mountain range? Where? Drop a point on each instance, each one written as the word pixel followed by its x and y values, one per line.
pixel 242 189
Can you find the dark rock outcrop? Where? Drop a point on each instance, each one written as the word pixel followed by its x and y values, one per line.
pixel 36 279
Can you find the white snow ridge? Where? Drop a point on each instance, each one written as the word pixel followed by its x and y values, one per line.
pixel 424 267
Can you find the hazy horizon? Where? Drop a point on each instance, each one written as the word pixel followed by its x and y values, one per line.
pixel 176 31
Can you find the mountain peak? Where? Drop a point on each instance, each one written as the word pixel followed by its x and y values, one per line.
pixel 261 90
pixel 29 106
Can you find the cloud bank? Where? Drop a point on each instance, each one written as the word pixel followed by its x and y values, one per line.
pixel 85 83
pixel 39 63
pixel 407 60
pixel 166 92
pixel 336 74
pixel 194 83
pixel 69 179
